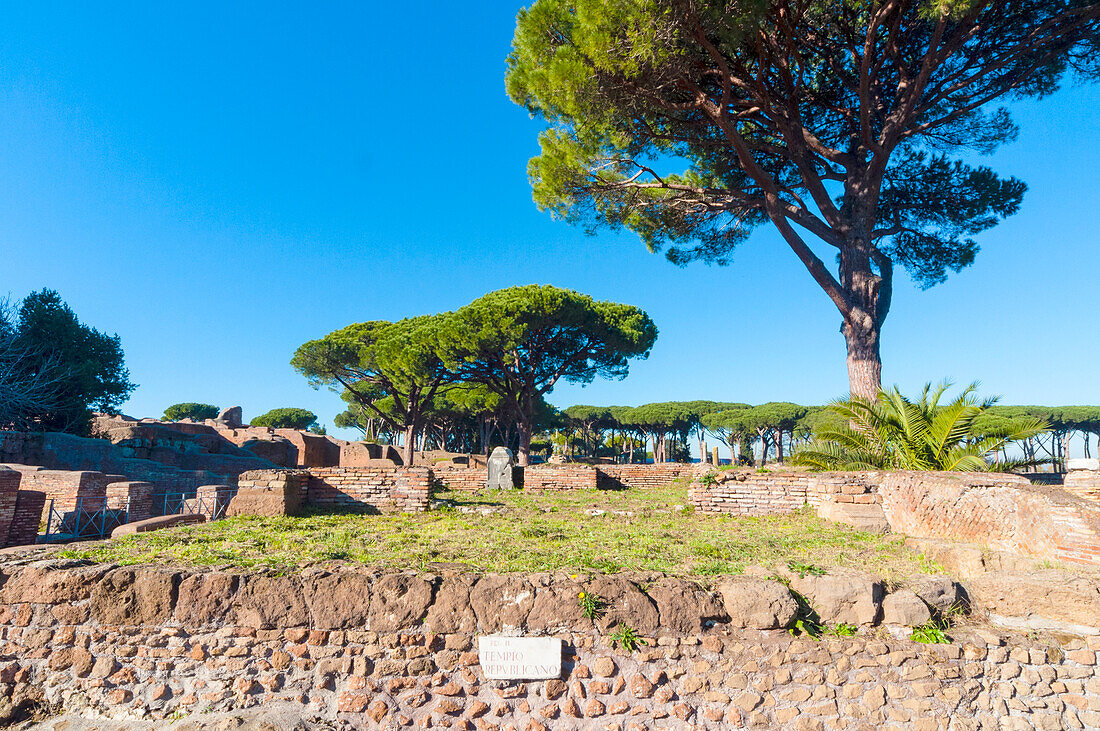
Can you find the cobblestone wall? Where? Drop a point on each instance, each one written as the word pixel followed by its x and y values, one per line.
pixel 399 650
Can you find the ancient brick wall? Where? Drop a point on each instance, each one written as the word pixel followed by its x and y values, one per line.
pixel 618 476
pixel 461 478
pixel 68 489
pixel 754 495
pixel 269 493
pixel 572 476
pixel 9 495
pixel 380 651
pixel 1004 512
pixel 397 488
pixel 1083 483
pixel 560 477
pixel 747 492
pixel 183 464
pixel 136 497
pixel 212 500
pixel 28 517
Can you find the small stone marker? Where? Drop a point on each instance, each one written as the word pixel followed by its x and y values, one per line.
pixel 519 658
pixel 500 469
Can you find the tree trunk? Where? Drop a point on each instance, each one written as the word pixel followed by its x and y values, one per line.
pixel 410 445
pixel 523 454
pixel 864 361
pixel 869 295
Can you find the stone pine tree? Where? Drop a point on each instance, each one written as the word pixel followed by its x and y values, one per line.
pixel 391 370
pixel 191 410
pixel 521 341
pixel 287 418
pixel 841 122
pixel 67 368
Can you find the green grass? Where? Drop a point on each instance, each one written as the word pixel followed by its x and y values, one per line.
pixel 638 530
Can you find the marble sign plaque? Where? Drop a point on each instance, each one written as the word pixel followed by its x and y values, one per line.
pixel 519 658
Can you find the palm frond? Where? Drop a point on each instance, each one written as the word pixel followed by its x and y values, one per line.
pixel 895 432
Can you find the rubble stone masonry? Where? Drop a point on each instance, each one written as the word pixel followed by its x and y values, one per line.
pixel 384 651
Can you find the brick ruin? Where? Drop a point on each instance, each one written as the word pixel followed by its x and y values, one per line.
pixel 1002 511
pixel 569 476
pixel 371 489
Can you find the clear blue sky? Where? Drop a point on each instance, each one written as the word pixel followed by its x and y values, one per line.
pixel 219 184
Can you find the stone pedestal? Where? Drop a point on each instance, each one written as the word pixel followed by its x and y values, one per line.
pixel 501 473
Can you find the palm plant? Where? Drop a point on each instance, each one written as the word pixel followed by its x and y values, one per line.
pixel 895 433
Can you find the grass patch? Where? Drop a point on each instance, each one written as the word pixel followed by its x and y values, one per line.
pixel 604 531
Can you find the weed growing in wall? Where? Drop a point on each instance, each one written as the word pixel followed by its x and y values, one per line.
pixel 626 637
pixel 592 606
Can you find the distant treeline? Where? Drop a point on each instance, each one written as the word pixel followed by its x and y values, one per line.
pixel 470 419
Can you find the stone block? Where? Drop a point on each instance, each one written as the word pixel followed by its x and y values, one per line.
pixel 158 523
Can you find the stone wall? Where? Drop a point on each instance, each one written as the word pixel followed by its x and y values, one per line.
pixel 618 476
pixel 400 650
pixel 396 488
pixel 131 496
pixel 176 464
pixel 1002 511
pixel 1083 483
pixel 461 478
pixel 572 476
pixel 559 477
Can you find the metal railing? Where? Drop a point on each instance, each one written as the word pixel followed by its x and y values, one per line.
pixel 93 518
pixel 212 505
pixel 89 519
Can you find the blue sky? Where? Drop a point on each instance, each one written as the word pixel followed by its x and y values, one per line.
pixel 219 184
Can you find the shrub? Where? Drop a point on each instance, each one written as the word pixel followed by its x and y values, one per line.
pixel 896 433
pixel 190 410
pixel 288 418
